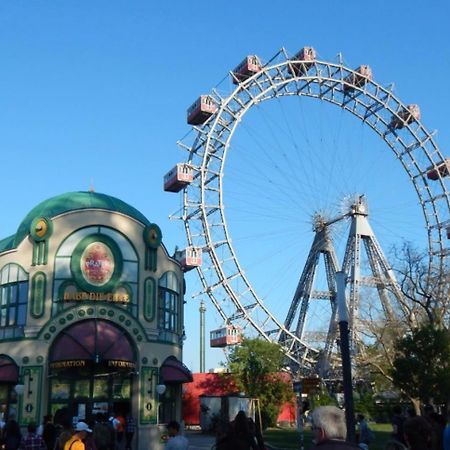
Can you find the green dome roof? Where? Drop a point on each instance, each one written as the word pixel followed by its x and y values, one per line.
pixel 72 201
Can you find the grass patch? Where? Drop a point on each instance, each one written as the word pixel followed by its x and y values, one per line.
pixel 288 438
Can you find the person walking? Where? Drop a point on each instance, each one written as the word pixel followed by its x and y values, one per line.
pixel 245 438
pixel 446 434
pixel 11 435
pixel 398 419
pixel 32 440
pixel 63 428
pixel 365 434
pixel 104 434
pixel 49 432
pixel 130 429
pixel 176 440
pixel 118 423
pixel 418 433
pixel 437 424
pixel 330 430
pixel 76 441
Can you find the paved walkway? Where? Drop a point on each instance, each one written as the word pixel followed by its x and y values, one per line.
pixel 203 441
pixel 199 440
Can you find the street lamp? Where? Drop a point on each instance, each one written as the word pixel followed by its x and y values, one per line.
pixel 19 388
pixel 345 354
pixel 160 389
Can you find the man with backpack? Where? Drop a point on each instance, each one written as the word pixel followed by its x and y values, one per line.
pixel 76 441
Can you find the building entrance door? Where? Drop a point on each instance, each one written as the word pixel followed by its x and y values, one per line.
pixel 91 367
pixel 86 396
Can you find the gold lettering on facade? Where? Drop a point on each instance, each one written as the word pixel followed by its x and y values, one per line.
pixel 67 364
pixel 96 296
pixel 122 364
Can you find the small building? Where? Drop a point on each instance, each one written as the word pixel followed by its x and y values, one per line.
pixel 91 315
pixel 209 393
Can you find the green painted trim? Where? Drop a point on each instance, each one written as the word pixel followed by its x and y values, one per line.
pixel 38 290
pixel 75 201
pixel 152 236
pixel 151 259
pixel 149 299
pixel 148 404
pixel 40 253
pixel 88 310
pixel 31 396
pixel 75 263
pixel 44 231
pixel 7 243
pixel 57 304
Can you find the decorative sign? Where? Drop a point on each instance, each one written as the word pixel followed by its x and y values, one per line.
pixel 310 385
pixel 149 377
pixel 97 264
pixel 68 364
pixel 100 296
pixel 121 364
pixel 31 399
pixel 71 363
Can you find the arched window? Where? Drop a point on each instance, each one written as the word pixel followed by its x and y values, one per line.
pixel 169 303
pixel 66 287
pixel 13 301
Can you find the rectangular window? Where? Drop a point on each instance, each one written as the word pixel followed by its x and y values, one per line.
pixel 168 310
pixel 13 308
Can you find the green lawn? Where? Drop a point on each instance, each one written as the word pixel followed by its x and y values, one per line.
pixel 288 438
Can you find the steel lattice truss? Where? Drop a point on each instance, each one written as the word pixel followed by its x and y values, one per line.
pixel 221 274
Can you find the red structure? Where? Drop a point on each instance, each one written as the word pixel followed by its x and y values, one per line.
pixel 221 385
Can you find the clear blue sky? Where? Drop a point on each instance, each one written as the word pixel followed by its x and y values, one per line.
pixel 97 91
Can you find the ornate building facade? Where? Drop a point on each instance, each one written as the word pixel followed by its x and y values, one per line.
pixel 91 315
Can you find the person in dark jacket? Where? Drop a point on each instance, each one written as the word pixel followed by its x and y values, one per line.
pixel 12 436
pixel 244 437
pixel 418 433
pixel 49 432
pixel 104 434
pixel 329 429
pixel 398 419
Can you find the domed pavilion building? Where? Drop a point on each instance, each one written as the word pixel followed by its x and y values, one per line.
pixel 91 315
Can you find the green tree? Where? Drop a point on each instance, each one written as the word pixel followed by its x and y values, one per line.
pixel 422 365
pixel 425 303
pixel 256 367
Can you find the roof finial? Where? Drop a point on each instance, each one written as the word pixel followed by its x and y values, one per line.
pixel 91 186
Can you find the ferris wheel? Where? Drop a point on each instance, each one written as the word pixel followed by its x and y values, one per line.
pixel 216 119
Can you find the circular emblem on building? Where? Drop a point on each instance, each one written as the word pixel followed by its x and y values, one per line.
pixel 41 228
pixel 96 263
pixel 152 235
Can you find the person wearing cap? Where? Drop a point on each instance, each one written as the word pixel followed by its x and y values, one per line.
pixel 76 441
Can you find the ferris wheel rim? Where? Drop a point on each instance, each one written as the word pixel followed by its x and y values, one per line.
pixel 231 110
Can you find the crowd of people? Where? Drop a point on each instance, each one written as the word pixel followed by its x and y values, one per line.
pixel 410 431
pixel 59 433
